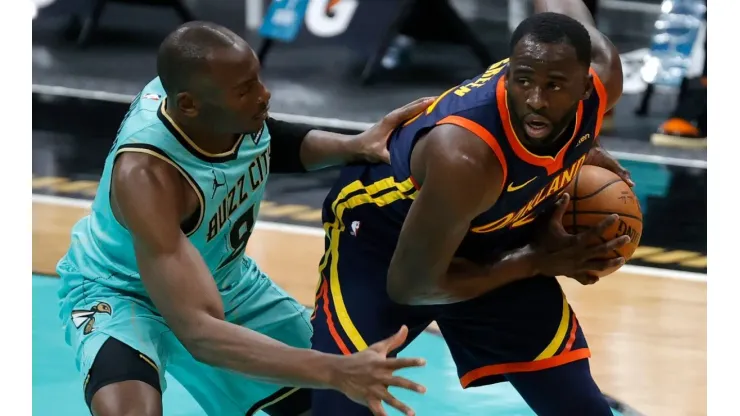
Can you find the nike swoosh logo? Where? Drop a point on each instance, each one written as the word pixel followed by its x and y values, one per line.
pixel 513 188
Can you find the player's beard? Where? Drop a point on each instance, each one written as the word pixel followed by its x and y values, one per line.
pixel 558 128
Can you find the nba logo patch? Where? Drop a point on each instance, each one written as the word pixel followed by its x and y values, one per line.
pixel 354 228
pixel 154 97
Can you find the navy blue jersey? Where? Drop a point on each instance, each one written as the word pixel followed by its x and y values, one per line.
pixel 531 183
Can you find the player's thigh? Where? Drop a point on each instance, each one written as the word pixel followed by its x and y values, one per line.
pixel 525 326
pixel 118 350
pixel 352 309
pixel 564 390
pixel 263 307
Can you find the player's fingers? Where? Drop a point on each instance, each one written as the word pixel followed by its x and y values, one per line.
pixel 560 207
pixel 392 401
pixel 394 341
pixel 408 111
pixel 602 226
pixel 405 383
pixel 376 407
pixel 609 246
pixel 601 265
pixel 399 363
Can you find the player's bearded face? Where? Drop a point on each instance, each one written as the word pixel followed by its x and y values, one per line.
pixel 544 84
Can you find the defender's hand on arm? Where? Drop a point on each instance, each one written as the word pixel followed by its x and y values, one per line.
pixel 302 148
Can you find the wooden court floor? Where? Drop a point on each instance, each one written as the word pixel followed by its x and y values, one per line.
pixel 647 334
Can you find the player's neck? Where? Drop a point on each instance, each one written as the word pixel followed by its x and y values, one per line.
pixel 549 147
pixel 203 137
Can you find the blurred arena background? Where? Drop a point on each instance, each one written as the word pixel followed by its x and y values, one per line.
pixel 350 62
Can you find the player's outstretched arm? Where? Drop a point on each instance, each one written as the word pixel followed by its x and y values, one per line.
pixel 299 148
pixel 149 199
pixel 460 178
pixel 604 55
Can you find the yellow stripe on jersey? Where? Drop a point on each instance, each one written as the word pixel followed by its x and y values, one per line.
pixel 560 334
pixel 339 206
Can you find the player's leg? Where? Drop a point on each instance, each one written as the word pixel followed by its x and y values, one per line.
pixel 525 333
pixel 352 307
pixel 116 341
pixel 568 389
pixel 121 382
pixel 257 303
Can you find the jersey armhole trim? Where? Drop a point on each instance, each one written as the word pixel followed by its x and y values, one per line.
pixel 159 154
pixel 484 135
pixel 603 99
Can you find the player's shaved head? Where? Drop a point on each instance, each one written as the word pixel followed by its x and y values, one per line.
pixel 212 79
pixel 185 54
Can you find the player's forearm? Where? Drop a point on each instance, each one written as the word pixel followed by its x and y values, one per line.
pixel 465 280
pixel 183 290
pixel 572 8
pixel 576 9
pixel 323 149
pixel 230 346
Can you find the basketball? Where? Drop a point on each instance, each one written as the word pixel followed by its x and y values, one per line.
pixel 595 194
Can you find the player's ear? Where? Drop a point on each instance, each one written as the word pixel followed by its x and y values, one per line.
pixel 186 104
pixel 589 87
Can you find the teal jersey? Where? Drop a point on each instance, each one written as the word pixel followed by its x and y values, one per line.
pixel 229 187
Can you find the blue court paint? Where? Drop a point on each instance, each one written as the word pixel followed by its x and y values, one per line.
pixel 57 386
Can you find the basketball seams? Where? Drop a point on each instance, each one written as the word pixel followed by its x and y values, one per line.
pixel 594 193
pixel 607 213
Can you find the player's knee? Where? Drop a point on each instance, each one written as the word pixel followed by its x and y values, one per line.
pixel 127 398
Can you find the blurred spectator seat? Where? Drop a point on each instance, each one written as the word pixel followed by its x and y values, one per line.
pixel 86 21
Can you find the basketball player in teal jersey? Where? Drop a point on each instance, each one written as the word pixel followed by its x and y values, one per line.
pixel 156 279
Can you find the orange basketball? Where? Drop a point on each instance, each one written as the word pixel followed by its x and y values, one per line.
pixel 597 193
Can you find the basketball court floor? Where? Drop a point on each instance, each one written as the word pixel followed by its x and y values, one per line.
pixel 647 330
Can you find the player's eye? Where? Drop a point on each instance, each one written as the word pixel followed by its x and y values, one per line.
pixel 524 82
pixel 555 87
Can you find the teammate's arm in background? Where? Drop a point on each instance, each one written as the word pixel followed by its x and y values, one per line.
pixel 606 62
pixel 150 199
pixel 300 148
pixel 604 55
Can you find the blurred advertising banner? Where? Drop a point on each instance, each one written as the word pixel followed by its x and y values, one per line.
pixel 359 24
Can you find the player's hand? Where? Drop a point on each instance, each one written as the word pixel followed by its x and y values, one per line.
pixel 373 142
pixel 558 253
pixel 597 156
pixel 365 376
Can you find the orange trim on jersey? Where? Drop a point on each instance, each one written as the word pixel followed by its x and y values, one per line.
pixel 508 368
pixel 416 184
pixel 484 134
pixel 330 321
pixel 572 337
pixel 552 164
pixel 601 92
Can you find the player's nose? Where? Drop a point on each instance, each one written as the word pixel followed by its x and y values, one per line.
pixel 536 99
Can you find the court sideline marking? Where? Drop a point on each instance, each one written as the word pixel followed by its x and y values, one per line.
pixel 318 232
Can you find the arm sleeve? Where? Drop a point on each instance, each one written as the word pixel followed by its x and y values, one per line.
pixel 285 153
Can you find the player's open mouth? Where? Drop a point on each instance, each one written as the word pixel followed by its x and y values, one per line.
pixel 537 128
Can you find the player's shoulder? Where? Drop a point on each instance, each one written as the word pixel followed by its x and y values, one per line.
pixel 143 122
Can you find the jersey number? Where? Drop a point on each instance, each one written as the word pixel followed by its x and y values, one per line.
pixel 239 235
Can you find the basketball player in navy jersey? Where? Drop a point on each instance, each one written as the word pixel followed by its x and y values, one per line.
pixel 464 226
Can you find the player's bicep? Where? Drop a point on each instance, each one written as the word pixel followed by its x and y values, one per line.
pixel 460 179
pixel 150 200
